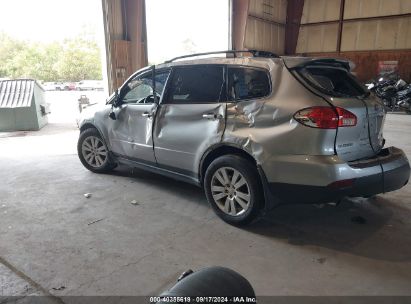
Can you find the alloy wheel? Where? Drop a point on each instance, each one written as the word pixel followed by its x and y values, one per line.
pixel 94 151
pixel 230 191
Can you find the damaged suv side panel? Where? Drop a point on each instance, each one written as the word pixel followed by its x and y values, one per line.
pixel 252 131
pixel 266 130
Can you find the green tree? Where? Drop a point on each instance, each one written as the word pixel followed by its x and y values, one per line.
pixel 79 59
pixel 70 60
pixel 9 48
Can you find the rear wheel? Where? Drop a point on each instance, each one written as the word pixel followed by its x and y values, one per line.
pixel 93 152
pixel 232 188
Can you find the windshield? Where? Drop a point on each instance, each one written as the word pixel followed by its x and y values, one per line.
pixel 332 81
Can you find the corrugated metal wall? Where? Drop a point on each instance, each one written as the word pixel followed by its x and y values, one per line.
pixel 320 10
pixel 367 62
pixel 264 36
pixel 374 8
pixel 319 30
pixel 364 31
pixel 388 34
pixel 265 25
pixel 319 37
pixel 269 10
pixel 376 34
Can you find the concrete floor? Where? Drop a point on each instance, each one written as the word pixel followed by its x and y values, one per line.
pixel 55 241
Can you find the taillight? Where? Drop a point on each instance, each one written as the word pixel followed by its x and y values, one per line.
pixel 326 117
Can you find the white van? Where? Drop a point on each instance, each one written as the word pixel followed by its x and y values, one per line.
pixel 90 85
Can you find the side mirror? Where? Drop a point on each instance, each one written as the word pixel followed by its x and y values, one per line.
pixel 115 103
pixel 112 115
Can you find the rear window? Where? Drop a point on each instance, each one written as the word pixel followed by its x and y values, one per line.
pixel 335 82
pixel 247 83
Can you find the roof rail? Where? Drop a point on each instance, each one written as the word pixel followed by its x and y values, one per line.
pixel 255 53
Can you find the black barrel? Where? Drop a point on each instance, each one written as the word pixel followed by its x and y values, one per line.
pixel 210 282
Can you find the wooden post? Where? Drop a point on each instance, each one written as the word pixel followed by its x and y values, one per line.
pixel 340 26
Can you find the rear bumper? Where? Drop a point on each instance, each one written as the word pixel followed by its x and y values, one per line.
pixel 330 179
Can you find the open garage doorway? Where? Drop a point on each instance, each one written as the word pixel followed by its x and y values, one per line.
pixel 176 28
pixel 81 51
pixel 61 46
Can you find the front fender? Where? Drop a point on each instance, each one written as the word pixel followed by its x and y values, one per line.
pixel 98 122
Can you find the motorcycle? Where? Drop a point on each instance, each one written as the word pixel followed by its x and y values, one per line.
pixel 393 91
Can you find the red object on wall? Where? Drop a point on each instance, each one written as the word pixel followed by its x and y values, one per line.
pixel 387 66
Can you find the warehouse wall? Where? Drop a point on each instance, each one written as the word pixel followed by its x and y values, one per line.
pixel 375 8
pixel 364 31
pixel 367 62
pixel 388 34
pixel 319 37
pixel 259 24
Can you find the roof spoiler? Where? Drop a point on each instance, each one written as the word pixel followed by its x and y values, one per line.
pixel 340 63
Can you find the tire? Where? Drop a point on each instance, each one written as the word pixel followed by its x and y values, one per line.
pixel 225 199
pixel 93 152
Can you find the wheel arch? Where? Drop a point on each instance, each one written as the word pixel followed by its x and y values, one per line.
pixel 225 149
pixel 220 150
pixel 90 125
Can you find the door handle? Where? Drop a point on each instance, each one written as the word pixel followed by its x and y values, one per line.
pixel 212 116
pixel 146 114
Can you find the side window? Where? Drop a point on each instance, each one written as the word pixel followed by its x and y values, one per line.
pixel 247 83
pixel 140 89
pixel 196 84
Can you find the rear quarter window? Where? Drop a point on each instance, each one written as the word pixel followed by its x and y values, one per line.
pixel 247 83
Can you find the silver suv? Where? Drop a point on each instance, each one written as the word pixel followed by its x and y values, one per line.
pixel 253 131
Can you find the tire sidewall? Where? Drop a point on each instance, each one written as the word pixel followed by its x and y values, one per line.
pixel 250 173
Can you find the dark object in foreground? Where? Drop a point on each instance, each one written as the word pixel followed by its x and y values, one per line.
pixel 359 220
pixel 207 283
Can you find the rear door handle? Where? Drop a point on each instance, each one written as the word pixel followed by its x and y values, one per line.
pixel 212 116
pixel 147 114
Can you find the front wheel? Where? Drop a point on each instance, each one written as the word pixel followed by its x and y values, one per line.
pixel 233 189
pixel 93 152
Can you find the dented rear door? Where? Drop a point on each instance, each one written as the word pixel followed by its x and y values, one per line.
pixel 190 118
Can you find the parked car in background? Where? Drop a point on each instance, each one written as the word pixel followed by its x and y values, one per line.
pixel 48 86
pixel 254 132
pixel 54 86
pixel 90 85
pixel 70 86
pixel 59 86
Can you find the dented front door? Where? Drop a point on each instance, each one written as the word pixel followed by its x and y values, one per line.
pixel 131 133
pixel 190 118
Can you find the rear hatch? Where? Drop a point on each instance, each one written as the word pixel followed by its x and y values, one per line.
pixel 334 82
